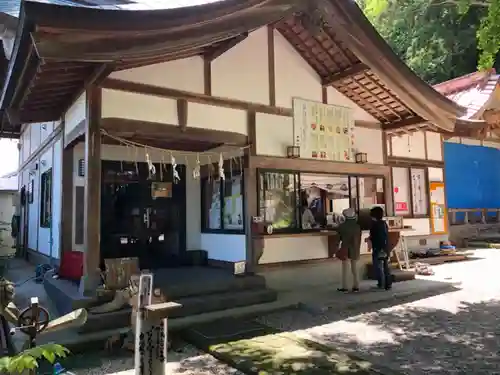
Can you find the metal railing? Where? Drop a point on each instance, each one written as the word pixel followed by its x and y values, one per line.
pixel 461 216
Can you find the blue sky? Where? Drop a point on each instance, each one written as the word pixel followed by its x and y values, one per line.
pixel 9 155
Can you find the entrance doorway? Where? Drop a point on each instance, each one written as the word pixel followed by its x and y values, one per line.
pixel 143 215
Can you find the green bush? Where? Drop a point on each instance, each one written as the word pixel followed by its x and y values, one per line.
pixel 28 359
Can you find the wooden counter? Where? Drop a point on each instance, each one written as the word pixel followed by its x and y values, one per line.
pixel 301 234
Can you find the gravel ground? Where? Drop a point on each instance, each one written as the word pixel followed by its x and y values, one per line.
pixel 185 360
pixel 452 333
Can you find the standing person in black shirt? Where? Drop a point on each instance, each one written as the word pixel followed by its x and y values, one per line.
pixel 379 237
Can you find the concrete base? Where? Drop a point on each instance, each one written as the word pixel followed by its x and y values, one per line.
pixel 303 276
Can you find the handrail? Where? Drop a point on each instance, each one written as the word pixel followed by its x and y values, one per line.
pixel 461 216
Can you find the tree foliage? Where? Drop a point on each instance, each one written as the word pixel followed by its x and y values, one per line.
pixel 439 39
pixel 28 359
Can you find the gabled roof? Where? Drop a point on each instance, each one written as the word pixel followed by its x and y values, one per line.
pixel 61 48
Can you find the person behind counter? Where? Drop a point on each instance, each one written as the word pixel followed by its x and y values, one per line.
pixel 379 237
pixel 350 249
pixel 308 220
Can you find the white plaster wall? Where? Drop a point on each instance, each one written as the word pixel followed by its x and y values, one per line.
pixel 228 247
pixel 217 118
pixel 139 107
pixel 56 198
pixel 7 209
pixel 294 76
pixel 75 114
pixel 33 210
pixel 409 145
pixel 289 249
pixel 183 74
pixel 419 227
pixel 273 134
pixel 46 128
pixel 434 148
pixel 34 137
pixel 44 234
pixel 25 143
pixel 436 175
pixel 242 72
pixel 470 141
pixel 491 144
pixel 369 141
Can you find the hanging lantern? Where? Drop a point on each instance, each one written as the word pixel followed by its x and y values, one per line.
pixel 361 158
pixel 293 152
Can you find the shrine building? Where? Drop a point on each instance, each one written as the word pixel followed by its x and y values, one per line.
pixel 196 135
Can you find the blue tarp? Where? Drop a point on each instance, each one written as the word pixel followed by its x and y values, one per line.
pixel 472 176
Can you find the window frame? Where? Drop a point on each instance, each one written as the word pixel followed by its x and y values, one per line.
pixel 409 169
pixel 204 218
pixel 46 198
pixel 299 228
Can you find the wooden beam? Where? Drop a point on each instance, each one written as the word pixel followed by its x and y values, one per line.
pixel 67 200
pixel 319 166
pixel 207 77
pixel 324 95
pixel 17 117
pixel 426 151
pixel 271 65
pixel 401 124
pixel 349 72
pixel 223 47
pixel 99 73
pixel 92 205
pixel 145 129
pixel 141 88
pixel 182 113
pixel 406 162
pixel 385 150
pixel 251 131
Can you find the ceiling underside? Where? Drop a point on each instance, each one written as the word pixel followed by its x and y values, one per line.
pixel 64 48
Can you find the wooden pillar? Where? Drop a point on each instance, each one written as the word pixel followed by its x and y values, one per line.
pixel 250 188
pixel 92 208
pixel 67 200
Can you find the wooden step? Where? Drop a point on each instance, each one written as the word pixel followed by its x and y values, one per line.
pixel 193 305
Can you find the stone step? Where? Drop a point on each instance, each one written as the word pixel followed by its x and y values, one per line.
pixel 80 342
pixel 66 297
pixel 190 306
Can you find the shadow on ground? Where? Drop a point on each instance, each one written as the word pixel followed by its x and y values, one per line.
pixel 419 340
pixel 273 344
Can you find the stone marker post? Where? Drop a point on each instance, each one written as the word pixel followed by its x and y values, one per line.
pixel 151 331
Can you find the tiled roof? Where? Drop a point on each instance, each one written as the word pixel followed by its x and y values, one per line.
pixel 472 91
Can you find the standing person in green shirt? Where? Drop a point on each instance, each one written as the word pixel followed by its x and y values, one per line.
pixel 350 244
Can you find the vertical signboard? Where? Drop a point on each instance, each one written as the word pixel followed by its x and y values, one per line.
pixel 323 131
pixel 439 219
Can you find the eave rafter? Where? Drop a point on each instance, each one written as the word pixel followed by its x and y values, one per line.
pixel 213 53
pixel 357 68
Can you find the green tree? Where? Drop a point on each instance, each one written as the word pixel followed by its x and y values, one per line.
pixel 439 39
